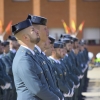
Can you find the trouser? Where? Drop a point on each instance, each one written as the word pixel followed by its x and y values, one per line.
pixel 75 97
pixel 81 87
pixel 1 94
pixel 10 94
pixel 70 98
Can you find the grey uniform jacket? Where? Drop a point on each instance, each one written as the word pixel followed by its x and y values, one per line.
pixel 49 74
pixel 29 77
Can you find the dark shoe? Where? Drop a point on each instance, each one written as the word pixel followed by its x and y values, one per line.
pixel 82 96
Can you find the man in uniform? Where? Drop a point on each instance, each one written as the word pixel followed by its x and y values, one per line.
pixel 28 75
pixel 40 23
pixel 48 51
pixel 60 69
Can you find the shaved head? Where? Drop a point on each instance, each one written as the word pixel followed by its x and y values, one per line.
pixel 29 34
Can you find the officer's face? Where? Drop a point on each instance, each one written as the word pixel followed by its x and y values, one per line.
pixel 47 44
pixel 58 53
pixel 62 52
pixel 68 47
pixel 34 35
pixel 76 51
pixel 6 49
pixel 13 44
pixel 1 48
pixel 82 47
pixel 76 44
pixel 71 46
pixel 44 33
pixel 49 51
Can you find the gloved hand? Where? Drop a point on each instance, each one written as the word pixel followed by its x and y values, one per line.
pixel 7 86
pixel 76 86
pixel 66 94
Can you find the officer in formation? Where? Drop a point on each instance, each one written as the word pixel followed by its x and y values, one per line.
pixel 37 67
pixel 7 52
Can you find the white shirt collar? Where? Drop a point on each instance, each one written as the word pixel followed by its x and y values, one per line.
pixel 66 54
pixel 38 48
pixel 73 50
pixel 13 50
pixel 0 55
pixel 29 49
pixel 57 61
pixel 43 53
pixel 53 59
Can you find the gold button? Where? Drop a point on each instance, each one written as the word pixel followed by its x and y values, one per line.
pixel 29 53
pixel 60 74
pixel 41 72
pixel 43 62
pixel 46 78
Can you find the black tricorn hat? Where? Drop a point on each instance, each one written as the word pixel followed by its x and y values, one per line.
pixel 52 39
pixel 38 20
pixel 75 39
pixel 20 26
pixel 66 40
pixel 65 36
pixel 58 44
pixel 82 42
pixel 5 43
pixel 12 38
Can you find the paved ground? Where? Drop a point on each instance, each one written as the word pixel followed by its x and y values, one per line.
pixel 93 90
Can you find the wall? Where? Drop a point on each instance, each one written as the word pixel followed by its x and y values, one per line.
pixel 55 12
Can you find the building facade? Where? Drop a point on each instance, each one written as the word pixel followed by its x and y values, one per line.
pixel 55 11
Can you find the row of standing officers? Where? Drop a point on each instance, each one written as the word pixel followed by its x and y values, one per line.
pixel 42 68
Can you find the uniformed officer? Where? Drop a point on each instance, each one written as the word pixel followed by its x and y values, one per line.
pixel 40 23
pixel 14 45
pixel 5 45
pixel 6 58
pixel 61 73
pixel 28 75
pixel 1 49
pixel 72 62
pixel 48 51
pixel 68 64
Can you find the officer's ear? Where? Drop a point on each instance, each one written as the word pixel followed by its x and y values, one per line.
pixel 26 37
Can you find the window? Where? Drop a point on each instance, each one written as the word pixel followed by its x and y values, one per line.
pixel 91 0
pixel 93 42
pixel 56 0
pixel 21 0
pixel 92 36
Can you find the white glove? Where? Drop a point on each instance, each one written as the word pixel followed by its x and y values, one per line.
pixel 79 77
pixel 2 87
pixel 72 92
pixel 7 86
pixel 76 86
pixel 63 99
pixel 66 95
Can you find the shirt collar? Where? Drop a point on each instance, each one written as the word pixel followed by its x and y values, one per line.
pixel 53 59
pixel 59 61
pixel 38 48
pixel 13 50
pixel 0 55
pixel 73 50
pixel 29 49
pixel 43 53
pixel 66 54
